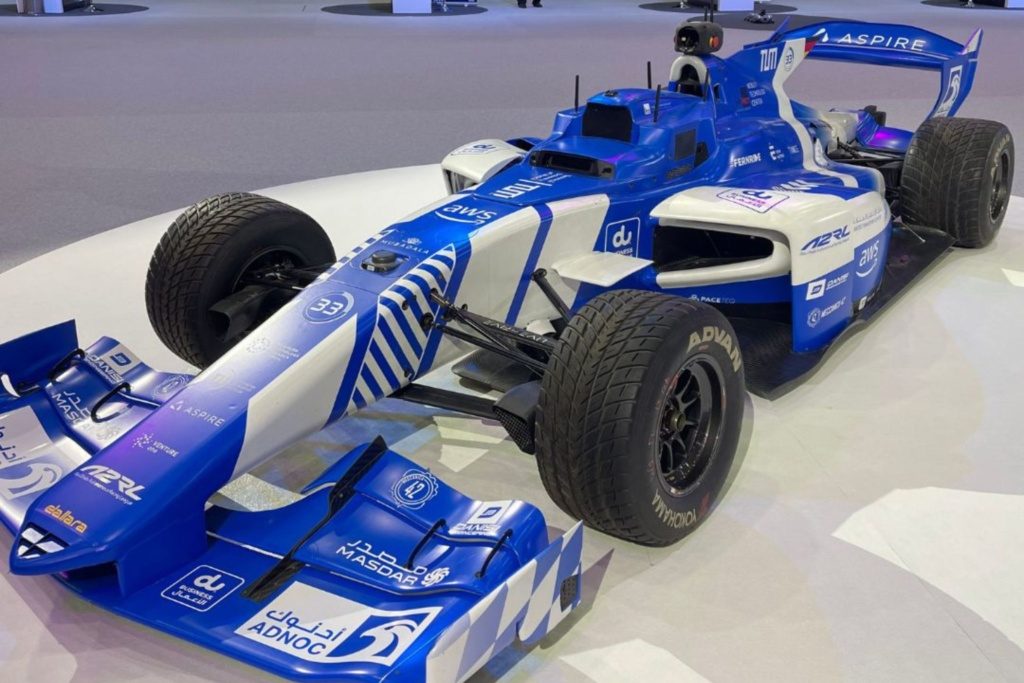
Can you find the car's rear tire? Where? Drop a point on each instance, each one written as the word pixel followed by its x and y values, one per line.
pixel 205 254
pixel 957 177
pixel 609 415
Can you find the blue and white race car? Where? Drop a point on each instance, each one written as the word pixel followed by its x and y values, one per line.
pixel 621 283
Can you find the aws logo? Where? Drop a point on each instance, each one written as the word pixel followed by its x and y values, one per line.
pixel 471 215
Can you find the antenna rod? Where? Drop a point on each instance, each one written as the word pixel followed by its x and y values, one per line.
pixel 711 6
pixel 657 103
pixel 650 82
pixel 577 109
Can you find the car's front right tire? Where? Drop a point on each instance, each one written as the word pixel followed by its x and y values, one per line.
pixel 640 414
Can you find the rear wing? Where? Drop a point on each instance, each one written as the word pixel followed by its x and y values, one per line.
pixel 893 45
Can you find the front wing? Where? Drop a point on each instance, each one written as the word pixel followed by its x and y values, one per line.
pixel 380 572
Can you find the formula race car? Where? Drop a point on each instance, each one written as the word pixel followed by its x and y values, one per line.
pixel 621 283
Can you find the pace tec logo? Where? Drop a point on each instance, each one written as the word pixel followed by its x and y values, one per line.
pixel 827 240
pixel 714 334
pixel 316 626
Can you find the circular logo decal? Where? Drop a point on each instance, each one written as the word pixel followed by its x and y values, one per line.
pixel 414 489
pixel 814 317
pixel 328 307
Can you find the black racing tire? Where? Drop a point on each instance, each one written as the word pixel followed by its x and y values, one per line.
pixel 608 416
pixel 958 177
pixel 205 253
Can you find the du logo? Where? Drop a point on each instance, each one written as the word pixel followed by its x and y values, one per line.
pixel 622 237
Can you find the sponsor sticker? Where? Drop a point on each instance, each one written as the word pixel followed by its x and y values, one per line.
pixel 415 489
pixel 202 588
pixel 114 364
pixel 761 201
pixel 486 520
pixel 818 314
pixel 475 149
pixel 171 385
pixel 461 213
pixel 526 185
pixel 149 443
pixel 201 414
pixel 316 626
pixel 867 259
pixel 622 237
pixel 382 563
pixel 745 160
pixel 113 483
pixel 817 289
pixel 826 240
pixel 22 437
pixel 328 307
pixel 67 518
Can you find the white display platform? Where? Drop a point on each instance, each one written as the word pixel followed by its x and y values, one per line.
pixel 875 530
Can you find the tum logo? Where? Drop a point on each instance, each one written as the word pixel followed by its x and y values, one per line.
pixel 769 59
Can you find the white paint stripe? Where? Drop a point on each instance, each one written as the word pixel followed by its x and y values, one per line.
pixel 387 319
pixel 364 389
pixel 396 366
pixel 410 318
pixel 377 374
pixel 787 115
pixel 297 402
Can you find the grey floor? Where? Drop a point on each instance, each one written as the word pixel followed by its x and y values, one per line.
pixel 106 120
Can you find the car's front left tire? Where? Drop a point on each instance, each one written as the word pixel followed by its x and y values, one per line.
pixel 639 415
pixel 205 257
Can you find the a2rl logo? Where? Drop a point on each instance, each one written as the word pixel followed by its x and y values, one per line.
pixel 622 237
pixel 827 240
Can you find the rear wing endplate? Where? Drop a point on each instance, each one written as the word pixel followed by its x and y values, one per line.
pixel 894 45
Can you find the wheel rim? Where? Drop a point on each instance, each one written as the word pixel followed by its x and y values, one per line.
pixel 275 258
pixel 1000 186
pixel 691 424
